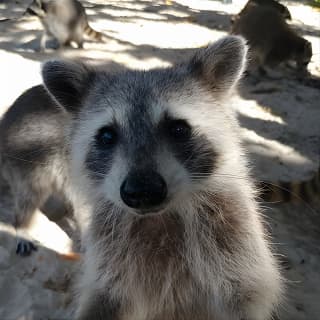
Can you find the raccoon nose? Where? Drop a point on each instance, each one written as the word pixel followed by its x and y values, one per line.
pixel 143 190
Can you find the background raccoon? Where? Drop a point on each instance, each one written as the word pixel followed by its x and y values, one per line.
pixel 65 20
pixel 32 156
pixel 169 230
pixel 272 4
pixel 271 39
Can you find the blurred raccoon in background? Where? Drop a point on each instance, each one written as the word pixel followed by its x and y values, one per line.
pixel 32 162
pixel 271 40
pixel 64 20
pixel 283 10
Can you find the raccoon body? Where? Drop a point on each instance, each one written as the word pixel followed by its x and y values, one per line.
pixel 150 160
pixel 292 191
pixel 272 4
pixel 153 157
pixel 270 38
pixel 32 155
pixel 65 20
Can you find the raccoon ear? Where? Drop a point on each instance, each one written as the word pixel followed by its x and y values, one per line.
pixel 66 82
pixel 220 65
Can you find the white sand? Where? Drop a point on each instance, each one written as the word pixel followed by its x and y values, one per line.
pixel 281 130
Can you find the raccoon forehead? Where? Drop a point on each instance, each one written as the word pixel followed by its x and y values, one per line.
pixel 129 115
pixel 102 112
pixel 122 103
pixel 156 94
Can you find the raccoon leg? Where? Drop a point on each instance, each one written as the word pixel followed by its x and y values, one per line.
pixel 23 215
pixel 25 247
pixel 26 201
pixel 43 41
pixel 80 45
pixel 78 38
pixel 56 207
pixel 59 209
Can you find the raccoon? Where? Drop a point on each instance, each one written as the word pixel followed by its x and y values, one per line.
pixel 292 191
pixel 32 157
pixel 282 9
pixel 153 158
pixel 271 39
pixel 65 20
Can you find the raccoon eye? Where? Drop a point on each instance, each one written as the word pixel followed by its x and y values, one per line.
pixel 106 136
pixel 179 130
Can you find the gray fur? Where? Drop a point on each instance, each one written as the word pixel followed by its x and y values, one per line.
pixel 32 154
pixel 64 20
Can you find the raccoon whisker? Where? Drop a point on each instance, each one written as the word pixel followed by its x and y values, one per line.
pixel 291 193
pixel 196 152
pixel 203 198
pixel 201 173
pixel 190 157
pixel 115 217
pixel 101 174
pixel 232 176
pixel 162 220
pixel 305 203
pixel 109 220
pixel 198 178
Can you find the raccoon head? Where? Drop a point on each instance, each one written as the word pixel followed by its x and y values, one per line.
pixel 37 8
pixel 283 10
pixel 146 141
pixel 270 4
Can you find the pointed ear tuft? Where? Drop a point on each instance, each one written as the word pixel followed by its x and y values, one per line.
pixel 220 65
pixel 67 82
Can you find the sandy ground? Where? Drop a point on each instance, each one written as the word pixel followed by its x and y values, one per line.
pixel 280 120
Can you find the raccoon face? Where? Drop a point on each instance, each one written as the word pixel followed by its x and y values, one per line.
pixel 37 8
pixel 283 10
pixel 147 141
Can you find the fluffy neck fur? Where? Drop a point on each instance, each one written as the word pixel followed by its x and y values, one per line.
pixel 181 258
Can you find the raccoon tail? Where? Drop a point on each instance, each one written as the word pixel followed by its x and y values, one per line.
pixel 293 191
pixel 93 34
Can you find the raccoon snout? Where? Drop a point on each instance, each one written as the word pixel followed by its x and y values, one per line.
pixel 143 190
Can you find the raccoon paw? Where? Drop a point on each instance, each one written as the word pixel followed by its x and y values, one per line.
pixel 25 248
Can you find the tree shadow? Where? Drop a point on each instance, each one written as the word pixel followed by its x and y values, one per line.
pixel 16 37
pixel 297 128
